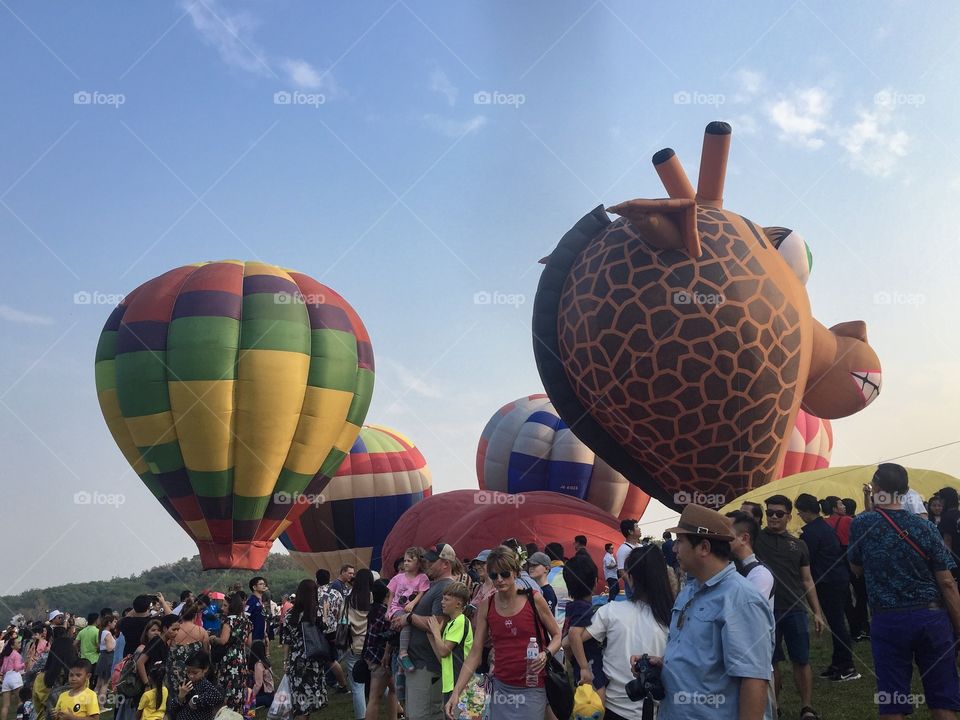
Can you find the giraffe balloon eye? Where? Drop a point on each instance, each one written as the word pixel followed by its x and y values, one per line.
pixel 792 248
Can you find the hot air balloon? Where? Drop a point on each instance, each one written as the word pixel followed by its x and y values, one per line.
pixel 526 446
pixel 382 477
pixel 678 341
pixel 843 482
pixel 809 446
pixel 228 386
pixel 475 520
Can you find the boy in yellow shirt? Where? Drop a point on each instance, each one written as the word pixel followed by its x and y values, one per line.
pixel 79 701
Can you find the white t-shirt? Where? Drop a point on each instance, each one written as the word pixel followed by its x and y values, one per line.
pixel 609 566
pixel 622 552
pixel 629 629
pixel 762 579
pixel 913 502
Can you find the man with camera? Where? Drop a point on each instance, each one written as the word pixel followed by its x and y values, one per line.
pixel 719 652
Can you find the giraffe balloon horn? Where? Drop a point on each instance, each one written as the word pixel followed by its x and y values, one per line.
pixel 672 224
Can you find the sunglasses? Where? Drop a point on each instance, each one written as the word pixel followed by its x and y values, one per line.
pixel 776 513
pixel 500 575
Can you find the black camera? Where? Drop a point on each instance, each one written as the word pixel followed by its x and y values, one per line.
pixel 647 683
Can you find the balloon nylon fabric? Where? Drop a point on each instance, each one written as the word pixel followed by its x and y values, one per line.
pixel 227 384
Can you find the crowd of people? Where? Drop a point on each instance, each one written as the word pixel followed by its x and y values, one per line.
pixel 700 630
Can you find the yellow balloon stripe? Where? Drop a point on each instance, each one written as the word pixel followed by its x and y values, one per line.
pixel 321 422
pixel 152 430
pixel 269 396
pixel 202 411
pixel 110 407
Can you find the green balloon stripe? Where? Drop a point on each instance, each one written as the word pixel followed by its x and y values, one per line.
pixel 269 325
pixel 250 508
pixel 203 348
pixel 142 383
pixel 291 483
pixel 106 346
pixel 334 360
pixel 206 483
pixel 361 400
pixel 105 374
pixel 163 458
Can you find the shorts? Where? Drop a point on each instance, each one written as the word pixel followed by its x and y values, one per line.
pixel 792 628
pixel 12 680
pixel 897 638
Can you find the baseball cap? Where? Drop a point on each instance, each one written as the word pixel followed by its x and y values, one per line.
pixel 481 556
pixel 441 551
pixel 53 614
pixel 539 558
pixel 704 522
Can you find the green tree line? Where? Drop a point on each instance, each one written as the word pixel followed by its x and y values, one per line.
pixel 282 573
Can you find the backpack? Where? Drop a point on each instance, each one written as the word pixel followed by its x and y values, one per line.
pixel 128 681
pixel 745 570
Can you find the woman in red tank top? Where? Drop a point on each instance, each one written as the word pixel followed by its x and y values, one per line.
pixel 507 618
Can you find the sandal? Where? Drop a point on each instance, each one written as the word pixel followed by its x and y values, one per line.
pixel 808 713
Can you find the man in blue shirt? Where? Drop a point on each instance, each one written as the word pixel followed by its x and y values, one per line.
pixel 254 608
pixel 719 655
pixel 913 599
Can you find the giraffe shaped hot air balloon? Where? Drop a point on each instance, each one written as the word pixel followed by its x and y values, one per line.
pixel 228 386
pixel 678 343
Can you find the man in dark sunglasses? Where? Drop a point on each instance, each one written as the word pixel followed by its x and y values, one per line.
pixel 789 560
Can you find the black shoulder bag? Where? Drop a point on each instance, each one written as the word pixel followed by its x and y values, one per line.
pixel 558 686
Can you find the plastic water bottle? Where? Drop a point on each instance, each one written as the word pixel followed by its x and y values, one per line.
pixel 533 652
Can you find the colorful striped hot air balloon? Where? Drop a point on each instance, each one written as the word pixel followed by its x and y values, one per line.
pixel 526 446
pixel 809 446
pixel 381 478
pixel 227 384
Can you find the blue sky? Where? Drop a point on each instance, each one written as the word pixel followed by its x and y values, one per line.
pixel 388 177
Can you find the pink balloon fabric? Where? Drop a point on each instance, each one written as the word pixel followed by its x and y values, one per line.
pixel 809 446
pixel 475 520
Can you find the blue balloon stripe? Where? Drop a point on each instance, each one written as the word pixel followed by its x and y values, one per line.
pixel 551 420
pixel 374 518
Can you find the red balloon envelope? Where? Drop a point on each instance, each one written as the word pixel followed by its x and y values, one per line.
pixel 475 520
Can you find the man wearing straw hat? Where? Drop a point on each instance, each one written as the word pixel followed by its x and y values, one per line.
pixel 719 652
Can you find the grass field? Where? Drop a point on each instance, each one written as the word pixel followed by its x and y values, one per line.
pixel 834 701
pixel 852 700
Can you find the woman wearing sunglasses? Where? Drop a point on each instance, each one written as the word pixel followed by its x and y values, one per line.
pixel 507 618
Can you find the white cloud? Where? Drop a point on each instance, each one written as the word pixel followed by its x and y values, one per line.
pixel 801 117
pixel 751 81
pixel 455 128
pixel 871 144
pixel 439 82
pixel 303 74
pixel 745 124
pixel 407 381
pixel 230 33
pixel 18 316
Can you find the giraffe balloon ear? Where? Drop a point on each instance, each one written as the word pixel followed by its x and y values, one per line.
pixel 665 224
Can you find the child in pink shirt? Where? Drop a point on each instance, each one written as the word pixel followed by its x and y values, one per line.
pixel 10 670
pixel 406 589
